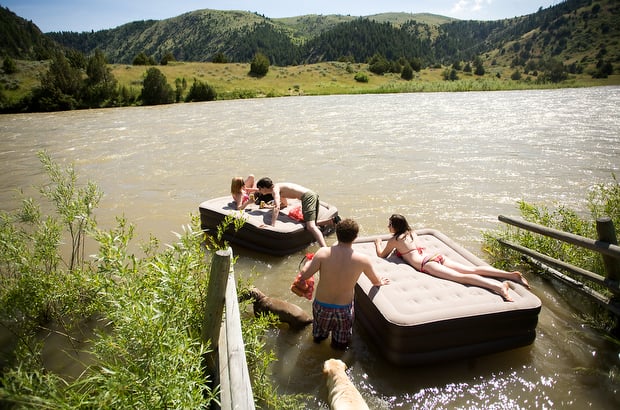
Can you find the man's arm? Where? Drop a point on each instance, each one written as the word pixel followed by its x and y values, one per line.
pixel 276 204
pixel 311 267
pixel 369 271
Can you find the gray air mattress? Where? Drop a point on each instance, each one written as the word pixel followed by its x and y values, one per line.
pixel 289 235
pixel 420 319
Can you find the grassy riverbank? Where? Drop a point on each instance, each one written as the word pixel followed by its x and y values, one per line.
pixel 232 80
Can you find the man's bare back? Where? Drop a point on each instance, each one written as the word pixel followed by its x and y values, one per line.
pixel 340 267
pixel 284 190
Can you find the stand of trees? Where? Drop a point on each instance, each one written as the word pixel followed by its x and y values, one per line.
pixel 76 82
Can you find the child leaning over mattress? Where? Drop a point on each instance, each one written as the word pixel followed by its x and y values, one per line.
pixel 242 191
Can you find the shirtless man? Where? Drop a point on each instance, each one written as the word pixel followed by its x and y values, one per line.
pixel 309 203
pixel 340 267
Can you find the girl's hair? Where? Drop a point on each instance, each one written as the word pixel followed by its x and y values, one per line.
pixel 400 225
pixel 236 185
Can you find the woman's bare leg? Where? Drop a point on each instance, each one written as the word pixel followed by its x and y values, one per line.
pixel 488 271
pixel 249 182
pixel 449 273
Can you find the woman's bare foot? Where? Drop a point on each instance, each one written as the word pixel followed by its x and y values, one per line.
pixel 504 292
pixel 520 279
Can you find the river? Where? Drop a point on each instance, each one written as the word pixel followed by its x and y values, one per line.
pixel 450 161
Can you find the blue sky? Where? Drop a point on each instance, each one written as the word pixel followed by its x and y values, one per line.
pixel 86 15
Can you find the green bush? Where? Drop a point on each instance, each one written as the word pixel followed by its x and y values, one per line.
pixel 155 88
pixel 603 200
pixel 147 350
pixel 200 91
pixel 361 77
pixel 259 65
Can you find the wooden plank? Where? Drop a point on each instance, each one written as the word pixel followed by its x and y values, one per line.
pixel 598 246
pixel 605 302
pixel 601 280
pixel 241 395
pixel 607 233
pixel 224 380
pixel 214 307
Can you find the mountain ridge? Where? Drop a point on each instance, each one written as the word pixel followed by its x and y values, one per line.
pixel 574 32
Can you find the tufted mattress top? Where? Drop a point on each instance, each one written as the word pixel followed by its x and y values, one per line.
pixel 420 318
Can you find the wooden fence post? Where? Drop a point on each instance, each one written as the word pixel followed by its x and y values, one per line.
pixel 214 309
pixel 607 233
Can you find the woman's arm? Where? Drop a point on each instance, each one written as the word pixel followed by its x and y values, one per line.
pixel 385 252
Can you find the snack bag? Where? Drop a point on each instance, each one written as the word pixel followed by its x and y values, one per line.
pixel 304 288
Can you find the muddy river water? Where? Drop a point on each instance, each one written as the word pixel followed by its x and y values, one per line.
pixel 449 161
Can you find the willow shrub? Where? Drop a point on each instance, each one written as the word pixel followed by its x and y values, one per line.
pixel 603 200
pixel 147 350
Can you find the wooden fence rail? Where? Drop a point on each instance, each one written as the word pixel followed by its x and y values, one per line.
pixel 226 363
pixel 606 245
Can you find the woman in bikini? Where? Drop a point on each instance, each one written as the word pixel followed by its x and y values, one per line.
pixel 403 242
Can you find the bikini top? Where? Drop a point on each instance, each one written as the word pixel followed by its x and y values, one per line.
pixel 419 249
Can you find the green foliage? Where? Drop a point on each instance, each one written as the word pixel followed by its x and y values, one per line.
pixel 100 87
pixel 450 74
pixel 147 350
pixel 75 205
pixel 259 65
pixel 60 86
pixel 266 39
pixel 220 58
pixel 572 37
pixel 229 223
pixel 604 199
pixel 200 91
pixel 379 65
pixel 9 66
pixel 155 88
pixel 143 59
pixel 603 69
pixel 21 39
pixel 479 67
pixel 361 77
pixel 259 359
pixel 555 71
pixel 167 58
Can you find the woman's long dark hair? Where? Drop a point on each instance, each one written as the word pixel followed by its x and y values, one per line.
pixel 400 225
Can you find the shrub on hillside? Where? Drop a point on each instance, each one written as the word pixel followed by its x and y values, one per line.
pixel 155 88
pixel 260 65
pixel 361 78
pixel 200 91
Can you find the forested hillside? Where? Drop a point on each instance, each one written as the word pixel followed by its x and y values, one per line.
pixel 574 30
pixel 23 39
